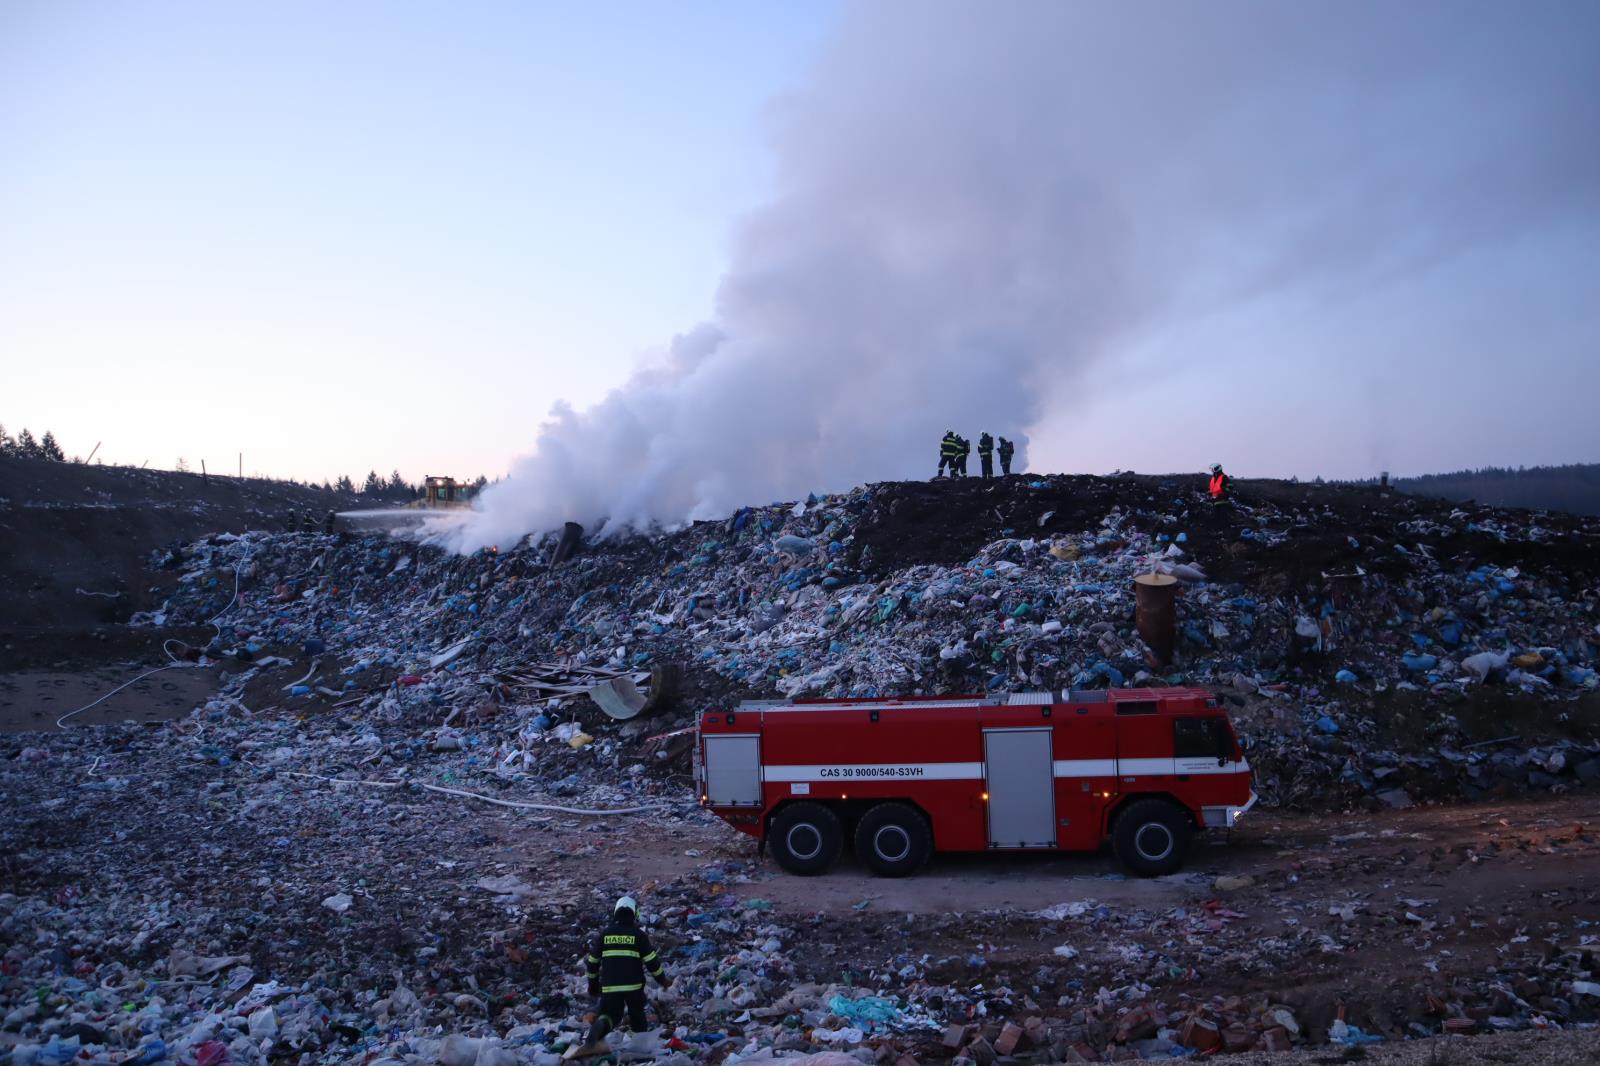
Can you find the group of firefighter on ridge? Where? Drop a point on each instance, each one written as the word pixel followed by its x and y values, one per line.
pixel 954 449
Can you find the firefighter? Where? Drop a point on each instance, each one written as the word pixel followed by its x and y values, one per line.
pixel 1219 482
pixel 1006 449
pixel 616 964
pixel 986 454
pixel 949 452
pixel 327 524
pixel 964 447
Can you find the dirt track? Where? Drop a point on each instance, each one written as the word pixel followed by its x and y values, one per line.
pixel 1373 912
pixel 34 701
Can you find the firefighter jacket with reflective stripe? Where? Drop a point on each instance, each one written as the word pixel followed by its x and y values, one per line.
pixel 949 448
pixel 1219 485
pixel 619 957
pixel 985 444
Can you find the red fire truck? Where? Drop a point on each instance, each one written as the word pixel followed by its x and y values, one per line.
pixel 902 778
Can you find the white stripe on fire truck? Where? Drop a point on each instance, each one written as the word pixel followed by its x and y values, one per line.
pixel 1146 767
pixel 917 771
pixel 973 771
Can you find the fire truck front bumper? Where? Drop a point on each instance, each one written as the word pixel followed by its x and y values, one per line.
pixel 1226 817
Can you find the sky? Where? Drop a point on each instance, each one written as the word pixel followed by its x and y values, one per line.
pixel 655 261
pixel 343 236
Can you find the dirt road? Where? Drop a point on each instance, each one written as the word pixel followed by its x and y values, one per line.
pixel 1397 917
pixel 35 700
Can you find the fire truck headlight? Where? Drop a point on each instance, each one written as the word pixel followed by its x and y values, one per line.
pixel 986 797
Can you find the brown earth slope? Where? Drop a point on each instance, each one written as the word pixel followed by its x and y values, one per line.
pixel 76 544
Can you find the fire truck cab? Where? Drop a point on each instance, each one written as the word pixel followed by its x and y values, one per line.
pixel 903 778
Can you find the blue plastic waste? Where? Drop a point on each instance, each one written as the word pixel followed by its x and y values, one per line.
pixel 1351 1036
pixel 1328 725
pixel 1420 662
pixel 870 1011
pixel 151 1053
pixel 58 1052
pixel 1346 676
pixel 700 948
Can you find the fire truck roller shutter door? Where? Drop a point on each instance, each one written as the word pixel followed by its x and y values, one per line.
pixel 893 840
pixel 733 769
pixel 1019 775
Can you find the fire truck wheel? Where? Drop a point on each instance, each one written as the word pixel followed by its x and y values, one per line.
pixel 1151 837
pixel 893 840
pixel 805 838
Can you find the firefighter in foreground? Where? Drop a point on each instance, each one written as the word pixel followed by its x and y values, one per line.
pixel 616 964
pixel 1219 482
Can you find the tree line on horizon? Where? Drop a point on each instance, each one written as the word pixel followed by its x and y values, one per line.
pixel 24 446
pixel 375 487
pixel 1573 487
pixel 394 488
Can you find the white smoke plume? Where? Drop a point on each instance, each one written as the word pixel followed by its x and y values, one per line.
pixel 978 203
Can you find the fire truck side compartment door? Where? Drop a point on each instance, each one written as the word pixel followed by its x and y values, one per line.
pixel 733 769
pixel 1019 775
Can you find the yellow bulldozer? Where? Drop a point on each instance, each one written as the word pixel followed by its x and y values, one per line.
pixel 444 493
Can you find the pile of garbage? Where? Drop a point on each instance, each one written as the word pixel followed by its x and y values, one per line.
pixel 1367 642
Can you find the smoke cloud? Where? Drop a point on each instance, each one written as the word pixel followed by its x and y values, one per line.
pixel 977 205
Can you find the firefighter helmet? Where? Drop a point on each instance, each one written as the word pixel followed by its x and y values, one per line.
pixel 627 903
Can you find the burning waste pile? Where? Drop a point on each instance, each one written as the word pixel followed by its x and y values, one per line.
pixel 1391 649
pixel 328 860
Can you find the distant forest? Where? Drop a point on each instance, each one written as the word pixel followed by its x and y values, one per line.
pixel 1574 488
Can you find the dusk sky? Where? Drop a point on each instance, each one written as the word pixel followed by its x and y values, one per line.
pixel 1293 238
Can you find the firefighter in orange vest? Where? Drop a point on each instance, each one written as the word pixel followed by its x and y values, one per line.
pixel 1219 482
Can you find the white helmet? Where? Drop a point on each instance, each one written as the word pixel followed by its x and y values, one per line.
pixel 626 903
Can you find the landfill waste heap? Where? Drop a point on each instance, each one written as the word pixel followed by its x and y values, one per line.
pixel 1377 651
pixel 1370 645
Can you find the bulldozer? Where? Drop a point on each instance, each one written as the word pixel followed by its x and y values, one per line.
pixel 443 493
